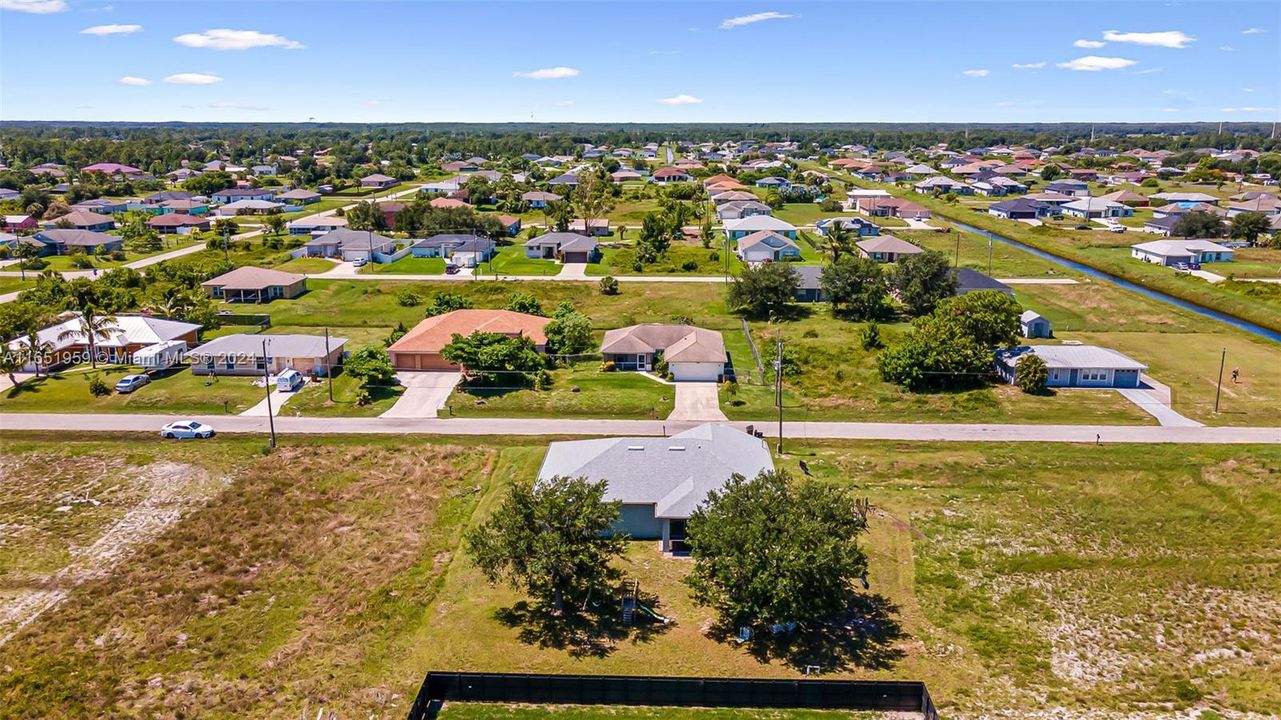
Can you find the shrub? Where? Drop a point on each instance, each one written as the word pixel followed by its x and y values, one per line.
pixel 609 285
pixel 82 262
pixel 1150 183
pixel 363 398
pixel 117 255
pixel 1031 374
pixel 689 265
pixel 871 337
pixel 607 366
pixel 544 380
pixel 731 387
pixel 525 303
pixel 34 263
pixel 637 267
pixel 811 333
pixel 408 298
pixel 97 387
pixel 714 256
pixel 830 205
pixel 660 367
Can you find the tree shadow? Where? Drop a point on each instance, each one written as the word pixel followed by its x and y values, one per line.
pixel 594 632
pixel 865 635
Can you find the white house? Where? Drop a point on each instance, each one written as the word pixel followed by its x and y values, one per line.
pixel 660 481
pixel 743 227
pixel 767 246
pixel 1169 252
pixel 691 353
pixel 1075 366
pixel 1033 325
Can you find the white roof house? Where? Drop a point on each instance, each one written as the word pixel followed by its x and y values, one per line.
pixel 1076 365
pixel 748 225
pixel 660 481
pixel 1169 252
pixel 133 333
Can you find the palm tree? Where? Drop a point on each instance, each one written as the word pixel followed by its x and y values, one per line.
pixel 838 238
pixel 34 347
pixel 92 328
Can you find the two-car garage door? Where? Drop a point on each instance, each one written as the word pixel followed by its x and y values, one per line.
pixel 420 361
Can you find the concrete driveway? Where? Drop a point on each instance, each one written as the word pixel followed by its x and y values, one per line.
pixel 426 392
pixel 697 402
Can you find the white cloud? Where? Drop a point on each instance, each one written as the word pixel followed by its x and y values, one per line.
pixel 1089 43
pixel 226 39
pixel 1246 109
pixel 1169 109
pixel 134 81
pixel 1247 90
pixel 104 30
pixel 681 100
pixel 741 20
pixel 236 106
pixel 35 7
pixel 1094 63
pixel 1226 48
pixel 192 78
pixel 1253 31
pixel 978 72
pixel 1164 38
pixel 1029 66
pixel 1149 71
pixel 551 73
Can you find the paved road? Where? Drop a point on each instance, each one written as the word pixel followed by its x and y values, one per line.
pixel 554 426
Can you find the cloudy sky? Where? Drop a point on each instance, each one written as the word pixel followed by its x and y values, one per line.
pixel 374 61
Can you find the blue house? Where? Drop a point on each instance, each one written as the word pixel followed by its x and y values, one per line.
pixel 1085 366
pixel 464 250
pixel 735 229
pixel 231 195
pixel 538 199
pixel 856 225
pixel 767 246
pixel 777 183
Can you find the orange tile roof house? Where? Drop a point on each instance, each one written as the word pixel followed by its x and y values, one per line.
pixel 419 349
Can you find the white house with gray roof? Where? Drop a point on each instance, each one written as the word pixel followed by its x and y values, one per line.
pixel 660 481
pixel 1075 366
pixel 242 354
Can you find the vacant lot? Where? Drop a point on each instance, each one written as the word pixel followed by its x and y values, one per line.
pixel 490 711
pixel 330 574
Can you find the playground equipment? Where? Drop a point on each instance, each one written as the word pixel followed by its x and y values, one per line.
pixel 631 605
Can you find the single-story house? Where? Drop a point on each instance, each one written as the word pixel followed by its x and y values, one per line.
pixel 564 246
pixel 736 229
pixel 568 180
pixel 941 184
pixel 1075 366
pixel 811 289
pixel 968 281
pixel 104 206
pixel 1169 252
pixel 170 223
pixel 660 481
pixel 886 248
pixel 164 196
pixel 186 207
pixel 626 176
pixel 1077 188
pixel 110 168
pixel 230 195
pixel 599 227
pixel 86 220
pixel 419 349
pixel 61 241
pixel 249 207
pixel 510 223
pixel 299 196
pixel 1127 197
pixel 316 225
pixel 740 209
pixel 1051 198
pixel 670 175
pixel 538 199
pixel 255 284
pixel 444 203
pixel 18 223
pixel 350 245
pixel 729 196
pixel 131 334
pixel 379 181
pixel 1092 207
pixel 1021 209
pixel 1033 325
pixel 879 206
pixel 767 246
pixel 856 225
pixel 774 182
pixel 692 353
pixel 391 210
pixel 9 193
pixel 1188 198
pixel 463 249
pixel 1163 225
pixel 242 354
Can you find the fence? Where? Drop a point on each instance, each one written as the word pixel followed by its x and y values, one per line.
pixel 869 695
pixel 258 320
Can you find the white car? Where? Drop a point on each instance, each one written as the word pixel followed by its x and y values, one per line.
pixel 186 429
pixel 129 383
pixel 1116 228
pixel 359 262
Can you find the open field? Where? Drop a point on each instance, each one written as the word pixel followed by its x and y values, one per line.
pixel 330 573
pixel 307 265
pixel 492 711
pixel 580 390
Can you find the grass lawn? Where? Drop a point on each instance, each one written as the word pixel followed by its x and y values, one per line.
pixel 307 265
pixel 805 213
pixel 494 711
pixel 313 400
pixel 680 258
pixel 64 263
pixel 599 395
pixel 322 205
pixel 511 260
pixel 1252 262
pixel 14 284
pixel 409 265
pixel 1006 260
pixel 175 392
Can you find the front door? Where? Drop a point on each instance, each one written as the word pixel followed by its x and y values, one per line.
pixel 677 536
pixel 642 362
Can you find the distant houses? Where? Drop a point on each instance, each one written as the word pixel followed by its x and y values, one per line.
pixel 1173 252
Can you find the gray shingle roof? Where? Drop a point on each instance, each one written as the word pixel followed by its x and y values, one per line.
pixel 282 346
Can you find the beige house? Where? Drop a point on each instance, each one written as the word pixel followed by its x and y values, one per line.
pixel 691 353
pixel 242 354
pixel 255 284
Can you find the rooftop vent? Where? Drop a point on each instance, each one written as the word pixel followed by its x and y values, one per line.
pixel 635 447
pixel 676 448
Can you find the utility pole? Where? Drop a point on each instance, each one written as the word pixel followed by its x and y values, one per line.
pixel 226 238
pixel 266 379
pixel 1219 388
pixel 778 388
pixel 989 257
pixel 957 262
pixel 329 371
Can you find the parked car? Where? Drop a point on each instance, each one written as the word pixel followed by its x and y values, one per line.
pixel 1181 266
pixel 451 269
pixel 1082 226
pixel 358 262
pixel 1116 228
pixel 129 383
pixel 186 430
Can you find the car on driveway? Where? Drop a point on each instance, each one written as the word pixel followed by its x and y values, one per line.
pixel 1116 228
pixel 129 383
pixel 186 430
pixel 452 269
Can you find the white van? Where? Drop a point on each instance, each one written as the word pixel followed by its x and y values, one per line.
pixel 289 381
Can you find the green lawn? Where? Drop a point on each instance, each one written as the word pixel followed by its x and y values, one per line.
pixel 14 284
pixel 493 711
pixel 409 265
pixel 64 263
pixel 307 265
pixel 1006 260
pixel 322 205
pixel 680 259
pixel 511 260
pixel 800 214
pixel 581 390
pixel 175 392
pixel 313 400
pixel 1255 262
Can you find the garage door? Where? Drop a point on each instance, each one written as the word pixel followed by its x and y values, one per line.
pixel 696 372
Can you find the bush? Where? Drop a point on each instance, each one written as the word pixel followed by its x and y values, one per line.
pixel 34 263
pixel 609 285
pixel 830 205
pixel 689 265
pixel 408 298
pixel 811 333
pixel 1150 183
pixel 97 387
pixel 117 255
pixel 1031 374
pixel 363 398
pixel 544 380
pixel 660 367
pixel 83 262
pixel 714 256
pixel 871 337
pixel 607 366
pixel 638 267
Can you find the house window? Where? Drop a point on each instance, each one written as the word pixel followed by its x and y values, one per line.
pixel 260 363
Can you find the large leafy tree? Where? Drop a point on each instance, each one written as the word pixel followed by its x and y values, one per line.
pixel 1248 226
pixel 443 302
pixel 935 355
pixel 371 365
pixel 366 216
pixel 551 538
pixel 1199 224
pixel 569 332
pixel 855 287
pixel 922 280
pixel 592 197
pixel 774 550
pixel 765 290
pixel 988 316
pixel 490 356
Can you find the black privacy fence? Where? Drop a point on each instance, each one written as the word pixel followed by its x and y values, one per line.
pixel 872 695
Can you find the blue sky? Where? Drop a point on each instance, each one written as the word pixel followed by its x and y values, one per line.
pixel 374 61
